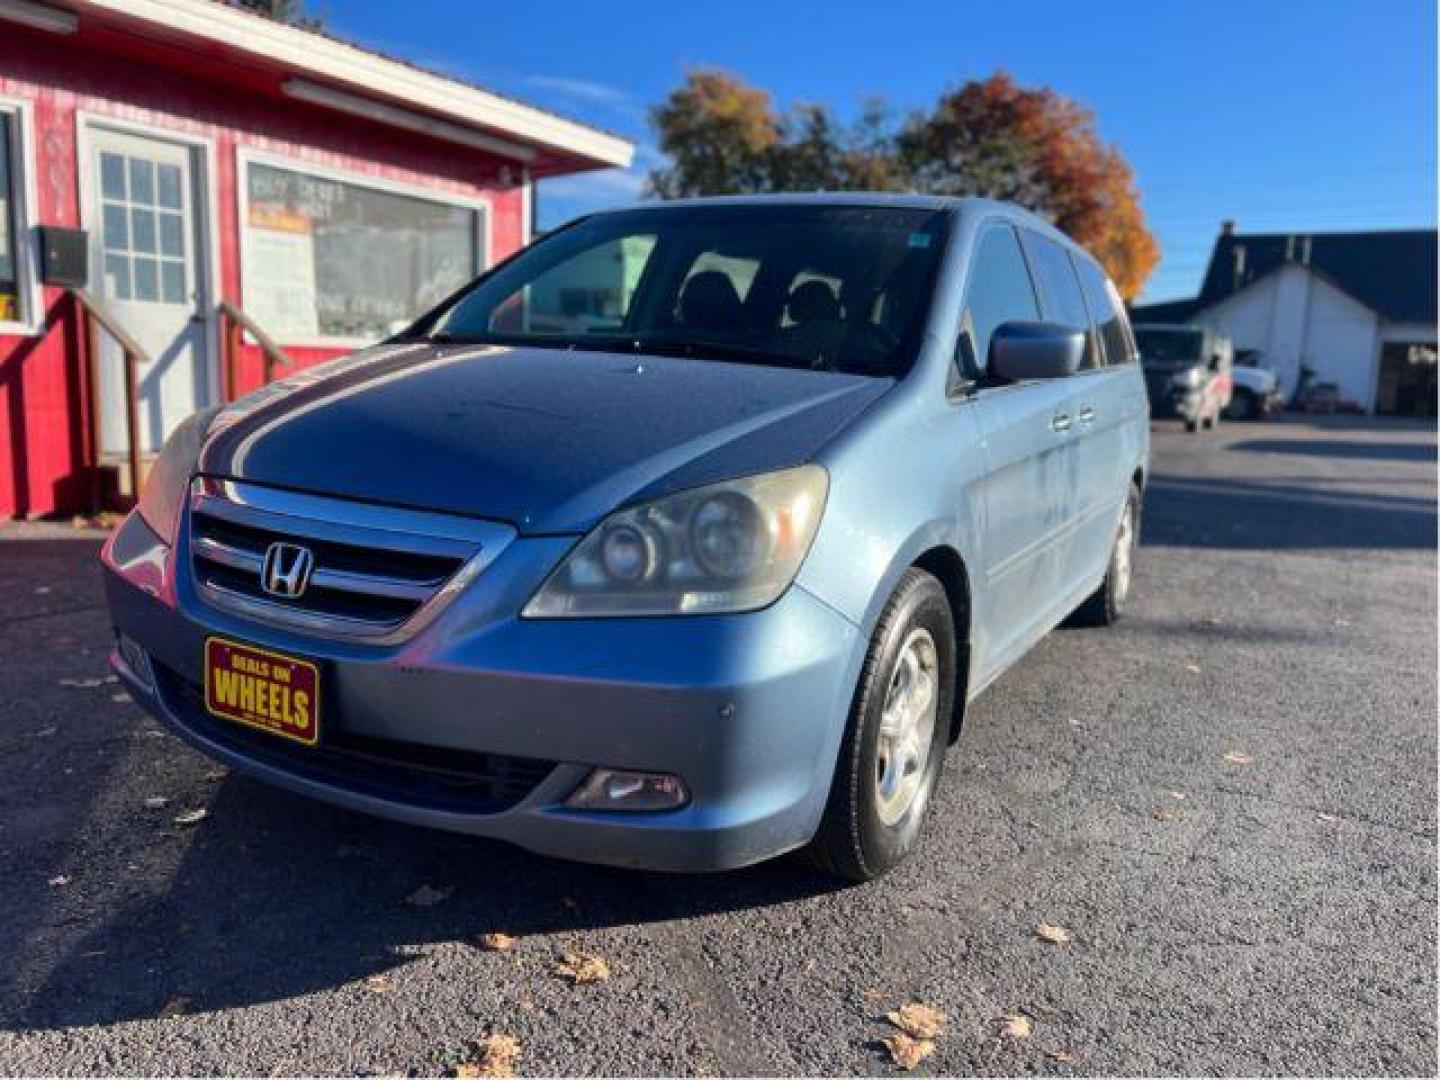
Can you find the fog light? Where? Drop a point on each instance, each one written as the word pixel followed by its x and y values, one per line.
pixel 135 658
pixel 619 789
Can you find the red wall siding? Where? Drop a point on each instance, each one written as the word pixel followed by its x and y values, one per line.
pixel 45 408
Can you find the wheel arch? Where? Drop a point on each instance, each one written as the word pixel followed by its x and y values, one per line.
pixel 946 565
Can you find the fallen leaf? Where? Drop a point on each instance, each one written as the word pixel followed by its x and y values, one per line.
pixel 155 802
pixel 907 1052
pixel 1056 935
pixel 1064 1057
pixel 379 984
pixel 1238 757
pixel 919 1021
pixel 495 941
pixel 498 1054
pixel 1015 1026
pixel 192 817
pixel 1164 814
pixel 582 968
pixel 176 1006
pixel 425 896
pixel 872 993
pixel 59 881
pixel 216 774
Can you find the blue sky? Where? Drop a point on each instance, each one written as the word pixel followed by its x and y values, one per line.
pixel 1286 115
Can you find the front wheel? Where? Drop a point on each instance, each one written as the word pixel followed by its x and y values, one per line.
pixel 1107 603
pixel 895 740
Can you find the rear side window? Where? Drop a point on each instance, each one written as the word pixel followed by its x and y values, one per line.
pixel 999 291
pixel 1109 313
pixel 1060 292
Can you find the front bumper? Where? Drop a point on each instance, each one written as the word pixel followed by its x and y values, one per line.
pixel 747 709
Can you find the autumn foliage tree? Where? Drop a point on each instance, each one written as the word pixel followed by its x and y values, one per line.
pixel 990 137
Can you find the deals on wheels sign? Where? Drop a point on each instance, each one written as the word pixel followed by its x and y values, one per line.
pixel 261 689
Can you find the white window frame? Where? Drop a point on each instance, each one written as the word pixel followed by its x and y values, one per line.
pixel 247 156
pixel 31 322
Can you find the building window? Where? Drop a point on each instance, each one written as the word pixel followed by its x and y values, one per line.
pixel 13 291
pixel 347 260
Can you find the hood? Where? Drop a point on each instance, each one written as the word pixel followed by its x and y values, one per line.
pixel 548 440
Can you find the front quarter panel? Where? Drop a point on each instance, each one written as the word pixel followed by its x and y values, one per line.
pixel 899 483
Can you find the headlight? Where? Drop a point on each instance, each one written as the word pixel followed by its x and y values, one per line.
pixel 728 547
pixel 1189 378
pixel 163 495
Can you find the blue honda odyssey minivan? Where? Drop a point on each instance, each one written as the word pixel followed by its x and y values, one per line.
pixel 679 540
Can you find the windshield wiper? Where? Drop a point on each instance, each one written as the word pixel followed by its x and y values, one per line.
pixel 716 350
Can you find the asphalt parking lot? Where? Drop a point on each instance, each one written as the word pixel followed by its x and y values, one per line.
pixel 1229 801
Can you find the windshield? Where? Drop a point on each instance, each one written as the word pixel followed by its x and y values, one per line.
pixel 1168 348
pixel 838 288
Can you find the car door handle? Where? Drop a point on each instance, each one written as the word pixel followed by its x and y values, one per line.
pixel 1087 415
pixel 1060 422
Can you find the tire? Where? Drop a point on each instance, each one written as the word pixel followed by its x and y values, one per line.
pixel 1106 605
pixel 1245 406
pixel 866 829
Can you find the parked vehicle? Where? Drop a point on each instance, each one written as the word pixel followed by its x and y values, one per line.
pixel 688 588
pixel 1256 394
pixel 1187 372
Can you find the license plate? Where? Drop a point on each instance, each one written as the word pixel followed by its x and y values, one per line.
pixel 261 689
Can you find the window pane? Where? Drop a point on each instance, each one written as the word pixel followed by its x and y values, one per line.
pixel 169 177
pixel 142 230
pixel 332 258
pixel 117 228
pixel 589 291
pixel 172 281
pixel 999 291
pixel 112 176
pixel 9 266
pixel 1109 313
pixel 142 182
pixel 147 284
pixel 117 277
pixel 172 234
pixel 1060 292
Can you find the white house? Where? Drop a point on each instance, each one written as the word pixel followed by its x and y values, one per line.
pixel 1357 310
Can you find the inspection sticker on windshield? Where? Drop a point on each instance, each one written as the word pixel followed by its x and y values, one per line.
pixel 262 689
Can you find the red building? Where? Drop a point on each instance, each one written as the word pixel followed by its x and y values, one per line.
pixel 208 155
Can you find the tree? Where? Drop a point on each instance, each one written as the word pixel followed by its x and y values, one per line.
pixel 990 137
pixel 724 137
pixel 286 11
pixel 1040 149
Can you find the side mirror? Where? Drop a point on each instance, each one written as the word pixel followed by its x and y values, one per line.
pixel 1035 350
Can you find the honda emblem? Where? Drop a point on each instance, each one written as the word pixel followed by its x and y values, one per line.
pixel 286 570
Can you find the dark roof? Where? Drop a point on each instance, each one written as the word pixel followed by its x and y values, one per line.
pixel 1165 311
pixel 1392 273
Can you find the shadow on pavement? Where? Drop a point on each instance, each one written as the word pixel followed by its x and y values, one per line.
pixel 1339 448
pixel 1223 512
pixel 278 897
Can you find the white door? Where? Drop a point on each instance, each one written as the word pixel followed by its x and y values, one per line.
pixel 148 268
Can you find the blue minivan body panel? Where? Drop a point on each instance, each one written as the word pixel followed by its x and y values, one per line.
pixel 749 709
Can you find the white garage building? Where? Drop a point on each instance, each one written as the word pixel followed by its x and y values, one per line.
pixel 1356 310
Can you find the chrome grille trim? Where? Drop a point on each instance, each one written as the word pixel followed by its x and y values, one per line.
pixel 397 568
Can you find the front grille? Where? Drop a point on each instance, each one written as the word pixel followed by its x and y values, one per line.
pixel 460 781
pixel 377 570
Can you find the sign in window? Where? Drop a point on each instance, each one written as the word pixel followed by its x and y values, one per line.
pixel 334 259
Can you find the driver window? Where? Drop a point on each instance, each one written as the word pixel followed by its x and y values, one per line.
pixel 588 292
pixel 999 290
